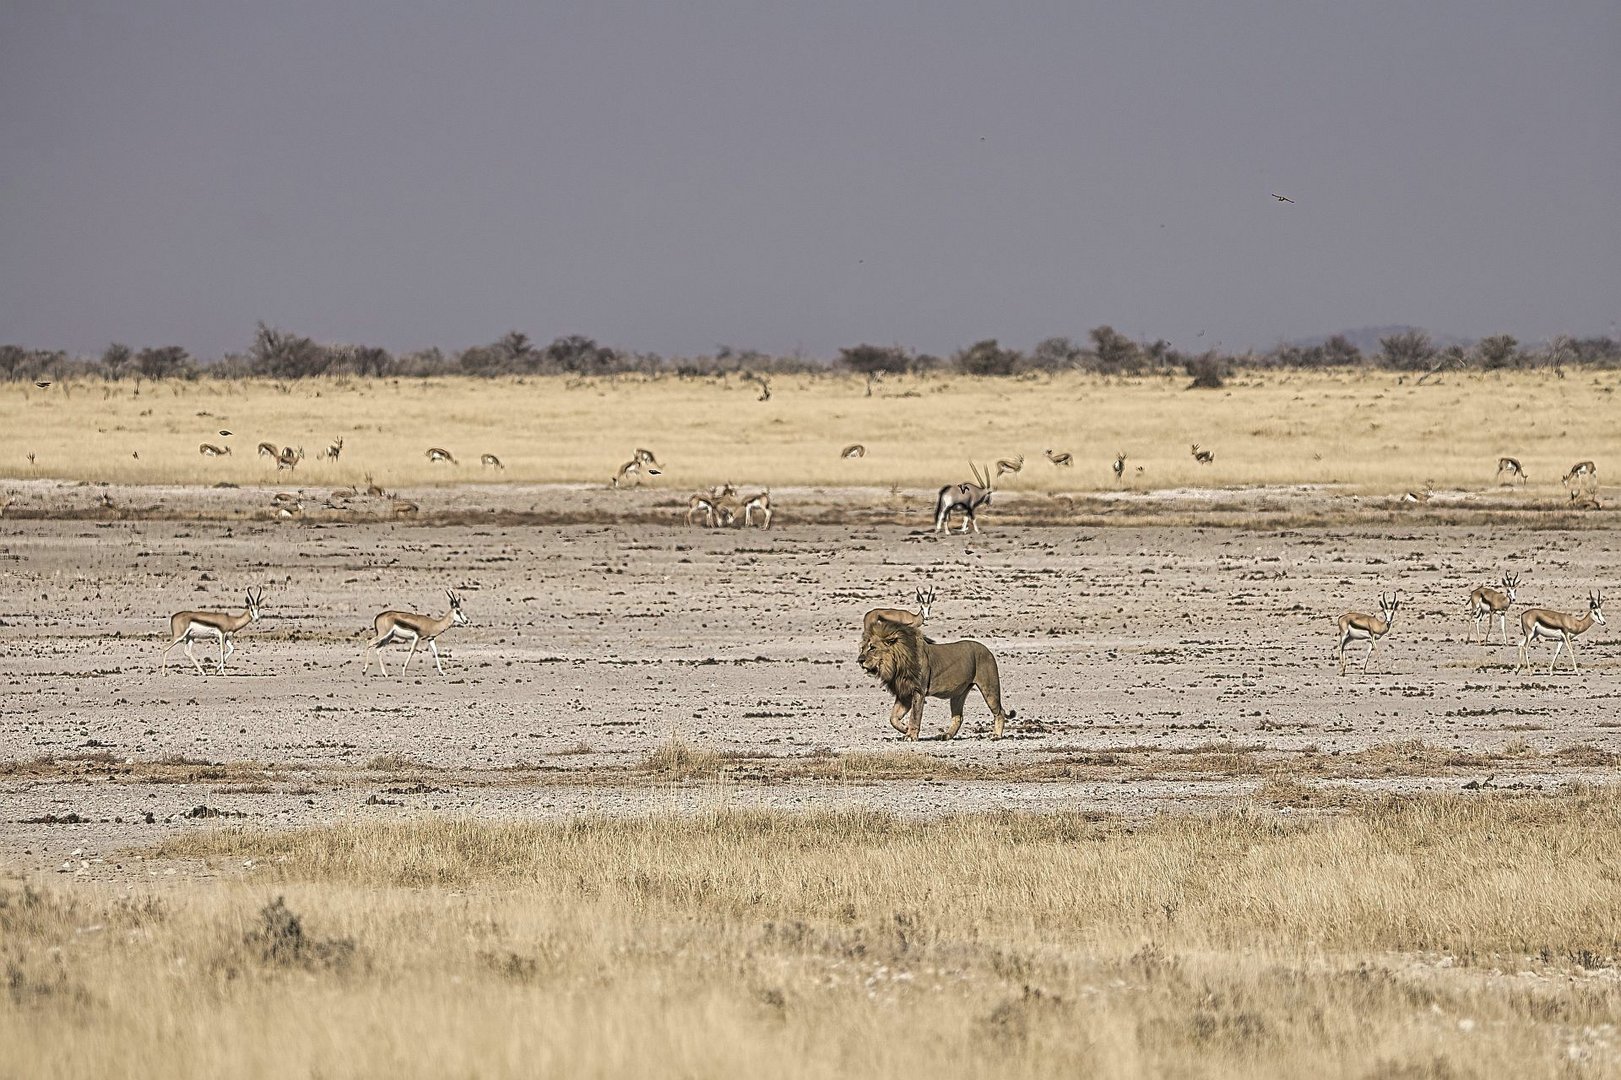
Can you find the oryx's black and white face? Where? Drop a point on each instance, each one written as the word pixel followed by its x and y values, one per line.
pixel 924 601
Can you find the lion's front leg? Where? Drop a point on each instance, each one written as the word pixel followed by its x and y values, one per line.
pixel 895 715
pixel 916 724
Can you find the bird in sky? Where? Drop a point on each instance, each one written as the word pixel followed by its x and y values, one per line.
pixel 43 384
pixel 225 433
pixel 1282 198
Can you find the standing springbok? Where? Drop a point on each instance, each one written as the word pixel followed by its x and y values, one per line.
pixel 760 503
pixel 334 450
pixel 1065 459
pixel 1512 467
pixel 965 497
pixel 1355 626
pixel 925 600
pixel 403 626
pixel 1486 602
pixel 1119 466
pixel 185 625
pixel 635 467
pixel 701 503
pixel 1203 457
pixel 289 458
pixel 1542 623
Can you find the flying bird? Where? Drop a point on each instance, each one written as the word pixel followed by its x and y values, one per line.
pixel 43 384
pixel 225 433
pixel 1282 198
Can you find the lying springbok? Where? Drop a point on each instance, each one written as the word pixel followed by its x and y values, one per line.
pixel 900 615
pixel 1355 626
pixel 1540 623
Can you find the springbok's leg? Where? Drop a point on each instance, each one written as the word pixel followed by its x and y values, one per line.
pixel 433 647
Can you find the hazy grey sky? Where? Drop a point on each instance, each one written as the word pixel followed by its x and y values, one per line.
pixel 673 176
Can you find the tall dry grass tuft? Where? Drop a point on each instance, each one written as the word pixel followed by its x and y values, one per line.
pixel 1457 936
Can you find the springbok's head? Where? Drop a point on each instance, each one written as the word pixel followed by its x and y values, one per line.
pixel 1389 606
pixel 1595 605
pixel 1511 584
pixel 458 617
pixel 925 600
pixel 255 602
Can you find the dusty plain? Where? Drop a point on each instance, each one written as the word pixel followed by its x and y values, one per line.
pixel 654 798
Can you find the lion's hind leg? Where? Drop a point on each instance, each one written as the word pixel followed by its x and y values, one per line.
pixel 957 702
pixel 991 690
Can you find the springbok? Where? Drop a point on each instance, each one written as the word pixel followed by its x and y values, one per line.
pixel 490 461
pixel 1119 466
pixel 760 503
pixel 1583 473
pixel 210 450
pixel 925 600
pixel 635 467
pixel 333 450
pixel 404 626
pixel 854 450
pixel 701 502
pixel 1065 459
pixel 1355 626
pixel 646 457
pixel 1486 602
pixel 439 453
pixel 1009 466
pixel 1203 457
pixel 1540 623
pixel 1512 467
pixel 185 625
pixel 289 458
pixel 965 497
pixel 269 450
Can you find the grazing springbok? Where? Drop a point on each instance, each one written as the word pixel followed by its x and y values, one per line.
pixel 1538 623
pixel 405 626
pixel 965 497
pixel 490 461
pixel 269 450
pixel 1065 459
pixel 1355 626
pixel 186 625
pixel 1583 474
pixel 1486 602
pixel 1203 457
pixel 439 453
pixel 1512 467
pixel 854 450
pixel 210 450
pixel 1006 465
pixel 925 600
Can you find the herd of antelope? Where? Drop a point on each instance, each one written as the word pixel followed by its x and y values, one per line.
pixel 1485 604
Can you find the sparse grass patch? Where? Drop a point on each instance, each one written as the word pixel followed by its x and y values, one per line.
pixel 817 944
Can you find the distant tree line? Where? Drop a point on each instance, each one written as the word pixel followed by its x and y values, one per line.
pixel 277 354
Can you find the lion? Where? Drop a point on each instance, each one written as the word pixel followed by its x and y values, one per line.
pixel 914 668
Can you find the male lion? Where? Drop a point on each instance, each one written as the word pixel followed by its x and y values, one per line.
pixel 914 668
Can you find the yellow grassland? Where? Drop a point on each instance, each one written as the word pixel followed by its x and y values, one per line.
pixel 1365 430
pixel 1456 936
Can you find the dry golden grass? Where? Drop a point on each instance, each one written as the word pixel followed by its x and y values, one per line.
pixel 1356 428
pixel 1448 937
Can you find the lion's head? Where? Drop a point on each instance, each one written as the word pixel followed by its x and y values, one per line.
pixel 894 653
